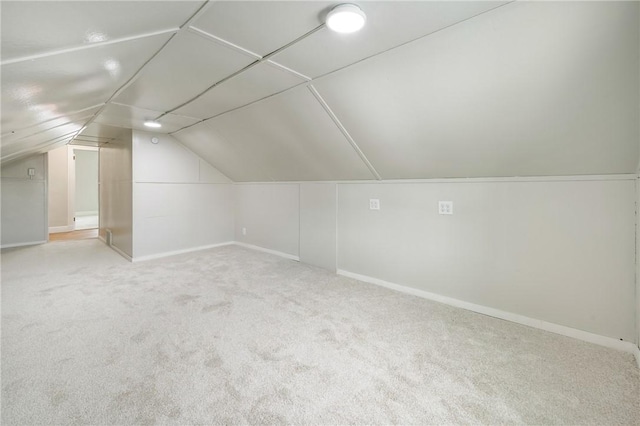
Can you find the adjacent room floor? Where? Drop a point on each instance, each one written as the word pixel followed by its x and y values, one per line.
pixel 86 222
pixel 74 235
pixel 230 335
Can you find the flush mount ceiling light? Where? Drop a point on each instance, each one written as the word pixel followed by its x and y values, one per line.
pixel 151 123
pixel 346 18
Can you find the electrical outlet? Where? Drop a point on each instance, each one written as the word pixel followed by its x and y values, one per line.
pixel 445 207
pixel 374 204
pixel 244 231
pixel 31 172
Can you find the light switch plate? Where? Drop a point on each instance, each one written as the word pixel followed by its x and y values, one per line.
pixel 31 171
pixel 374 204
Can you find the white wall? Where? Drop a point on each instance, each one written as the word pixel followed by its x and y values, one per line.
pixel 60 214
pixel 24 202
pixel 270 213
pixel 180 201
pixel 116 192
pixel 560 251
pixel 318 224
pixel 86 181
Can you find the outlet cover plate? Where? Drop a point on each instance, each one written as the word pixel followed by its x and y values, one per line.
pixel 374 204
pixel 445 207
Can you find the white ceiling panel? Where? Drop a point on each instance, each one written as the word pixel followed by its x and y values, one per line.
pixel 258 82
pixel 35 27
pixel 42 140
pixel 185 68
pixel 42 89
pixel 17 135
pixel 290 136
pixel 389 24
pixel 97 133
pixel 229 158
pixel 134 118
pixel 262 26
pixel 533 88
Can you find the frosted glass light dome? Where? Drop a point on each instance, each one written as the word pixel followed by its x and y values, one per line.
pixel 346 18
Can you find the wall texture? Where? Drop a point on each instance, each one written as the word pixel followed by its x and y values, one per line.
pixel 318 224
pixel 560 251
pixel 24 202
pixel 180 201
pixel 116 204
pixel 270 213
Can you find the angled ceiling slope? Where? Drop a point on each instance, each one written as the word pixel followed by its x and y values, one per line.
pixel 178 62
pixel 284 138
pixel 264 92
pixel 62 61
pixel 529 89
pixel 526 89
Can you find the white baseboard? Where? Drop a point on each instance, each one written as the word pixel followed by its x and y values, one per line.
pixel 116 249
pixel 30 243
pixel 173 253
pixel 277 253
pixel 58 229
pixel 121 253
pixel 87 213
pixel 508 316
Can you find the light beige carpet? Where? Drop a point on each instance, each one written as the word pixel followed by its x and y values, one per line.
pixel 234 336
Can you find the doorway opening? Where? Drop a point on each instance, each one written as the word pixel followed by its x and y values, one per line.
pixel 86 189
pixel 74 200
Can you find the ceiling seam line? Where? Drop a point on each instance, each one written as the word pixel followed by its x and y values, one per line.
pixel 123 87
pixel 80 120
pixel 314 79
pixel 145 109
pixel 265 58
pixel 35 148
pixel 135 76
pixel 223 42
pixel 52 119
pixel 289 70
pixel 216 84
pixel 87 46
pixel 343 130
pixel 304 83
pixel 144 65
pixel 413 40
pixel 197 14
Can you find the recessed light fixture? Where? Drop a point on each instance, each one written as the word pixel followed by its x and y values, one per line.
pixel 151 123
pixel 346 18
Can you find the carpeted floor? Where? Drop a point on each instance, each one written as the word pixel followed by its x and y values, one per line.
pixel 234 336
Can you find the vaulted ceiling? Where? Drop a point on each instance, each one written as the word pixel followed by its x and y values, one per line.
pixel 264 91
